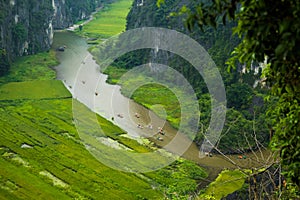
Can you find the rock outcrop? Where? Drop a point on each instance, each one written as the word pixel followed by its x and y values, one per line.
pixel 26 26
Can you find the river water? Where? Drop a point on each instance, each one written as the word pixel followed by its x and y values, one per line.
pixel 81 76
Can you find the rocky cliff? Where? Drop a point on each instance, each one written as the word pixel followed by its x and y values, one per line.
pixel 26 26
pixel 66 12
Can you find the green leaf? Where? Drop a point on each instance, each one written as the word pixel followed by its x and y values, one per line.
pixel 289 89
pixel 280 50
pixel 284 26
pixel 160 2
pixel 184 9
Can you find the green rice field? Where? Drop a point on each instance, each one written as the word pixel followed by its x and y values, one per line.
pixel 109 21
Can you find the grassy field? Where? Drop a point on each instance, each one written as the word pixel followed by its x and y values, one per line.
pixel 39 89
pixel 226 183
pixel 111 20
pixel 33 67
pixel 54 146
pixel 114 74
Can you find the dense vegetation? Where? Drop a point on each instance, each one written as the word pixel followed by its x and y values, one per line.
pixel 246 113
pixel 270 33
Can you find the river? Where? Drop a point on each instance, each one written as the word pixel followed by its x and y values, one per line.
pixel 77 58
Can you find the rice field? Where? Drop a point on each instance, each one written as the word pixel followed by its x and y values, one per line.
pixel 38 89
pixel 109 21
pixel 40 133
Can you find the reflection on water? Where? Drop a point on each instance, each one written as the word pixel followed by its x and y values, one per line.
pixel 81 76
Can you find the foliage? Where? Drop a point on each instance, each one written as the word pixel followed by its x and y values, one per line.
pixel 226 183
pixel 80 8
pixel 239 96
pixel 269 31
pixel 19 32
pixel 179 179
pixel 4 62
pixel 219 43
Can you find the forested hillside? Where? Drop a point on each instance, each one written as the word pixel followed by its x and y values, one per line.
pixel 245 92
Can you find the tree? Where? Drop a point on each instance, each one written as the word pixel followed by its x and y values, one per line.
pixel 270 31
pixel 239 95
pixel 4 62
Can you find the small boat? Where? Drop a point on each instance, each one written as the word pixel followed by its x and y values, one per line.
pixel 60 49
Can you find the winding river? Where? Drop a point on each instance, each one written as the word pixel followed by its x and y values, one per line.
pixel 121 111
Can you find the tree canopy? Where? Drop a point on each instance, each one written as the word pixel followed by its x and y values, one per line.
pixel 270 32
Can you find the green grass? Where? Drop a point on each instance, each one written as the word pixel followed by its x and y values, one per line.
pixel 109 21
pixel 152 94
pixel 40 89
pixel 114 74
pixel 33 67
pixel 26 184
pixel 46 125
pixel 226 183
